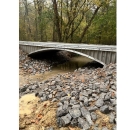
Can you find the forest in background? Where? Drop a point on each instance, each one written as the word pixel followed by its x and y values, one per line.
pixel 69 21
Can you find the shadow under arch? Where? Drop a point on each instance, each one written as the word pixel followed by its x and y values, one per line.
pixel 72 51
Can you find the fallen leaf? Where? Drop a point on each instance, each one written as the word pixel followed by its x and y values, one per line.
pixel 71 128
pixel 32 121
pixel 36 122
pixel 68 95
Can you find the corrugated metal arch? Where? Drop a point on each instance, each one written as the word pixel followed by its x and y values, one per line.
pixel 73 51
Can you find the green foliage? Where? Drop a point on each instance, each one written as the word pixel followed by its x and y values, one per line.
pixel 103 29
pixel 73 18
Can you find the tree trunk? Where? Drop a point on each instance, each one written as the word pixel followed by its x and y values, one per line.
pixel 57 21
pixel 61 19
pixel 40 7
pixel 29 35
pixel 36 22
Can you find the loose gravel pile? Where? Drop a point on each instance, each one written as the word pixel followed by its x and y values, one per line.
pixel 32 66
pixel 79 95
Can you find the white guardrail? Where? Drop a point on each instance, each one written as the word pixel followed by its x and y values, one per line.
pixel 70 45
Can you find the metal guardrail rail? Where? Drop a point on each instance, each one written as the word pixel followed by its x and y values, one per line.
pixel 70 46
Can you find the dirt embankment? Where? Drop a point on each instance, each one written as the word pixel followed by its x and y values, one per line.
pixel 35 115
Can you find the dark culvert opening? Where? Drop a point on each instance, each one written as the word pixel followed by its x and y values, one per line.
pixel 93 64
pixel 56 57
pixel 53 56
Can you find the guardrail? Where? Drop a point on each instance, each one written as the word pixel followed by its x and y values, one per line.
pixel 70 46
